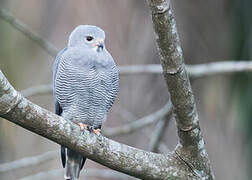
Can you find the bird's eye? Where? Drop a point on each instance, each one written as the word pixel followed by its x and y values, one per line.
pixel 89 38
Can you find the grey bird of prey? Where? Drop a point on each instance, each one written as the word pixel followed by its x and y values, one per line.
pixel 85 84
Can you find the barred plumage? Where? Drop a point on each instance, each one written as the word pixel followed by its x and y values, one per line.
pixel 86 92
pixel 85 83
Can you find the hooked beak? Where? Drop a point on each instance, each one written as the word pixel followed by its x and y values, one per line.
pixel 99 44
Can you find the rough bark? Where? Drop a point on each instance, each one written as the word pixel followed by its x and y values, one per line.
pixel 129 160
pixel 191 147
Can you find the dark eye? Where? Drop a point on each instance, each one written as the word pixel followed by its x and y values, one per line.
pixel 89 38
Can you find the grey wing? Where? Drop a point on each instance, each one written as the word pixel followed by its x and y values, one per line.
pixel 114 87
pixel 55 66
pixel 58 108
pixel 58 111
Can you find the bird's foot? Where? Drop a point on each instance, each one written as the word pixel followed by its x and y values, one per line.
pixel 97 131
pixel 83 126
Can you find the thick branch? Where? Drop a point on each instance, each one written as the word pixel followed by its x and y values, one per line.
pixel 132 161
pixel 191 148
pixel 174 70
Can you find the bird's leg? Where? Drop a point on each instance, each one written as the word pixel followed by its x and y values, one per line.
pixel 97 131
pixel 83 126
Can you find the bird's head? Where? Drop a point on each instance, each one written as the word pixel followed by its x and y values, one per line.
pixel 87 36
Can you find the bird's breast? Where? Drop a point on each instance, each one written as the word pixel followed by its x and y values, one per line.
pixel 84 90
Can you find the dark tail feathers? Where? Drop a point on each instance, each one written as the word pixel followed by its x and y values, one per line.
pixel 74 163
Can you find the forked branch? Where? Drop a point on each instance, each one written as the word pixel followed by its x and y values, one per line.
pixel 132 161
pixel 191 147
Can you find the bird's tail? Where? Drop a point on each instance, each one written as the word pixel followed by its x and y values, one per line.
pixel 74 164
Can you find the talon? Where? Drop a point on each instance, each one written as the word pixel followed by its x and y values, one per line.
pixel 83 126
pixel 97 131
pixel 90 128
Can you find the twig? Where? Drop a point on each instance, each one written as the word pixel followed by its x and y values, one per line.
pixel 124 113
pixel 101 173
pixel 191 144
pixel 108 132
pixel 140 69
pixel 8 17
pixel 216 68
pixel 120 157
pixel 159 131
pixel 133 126
pixel 28 161
pixel 37 90
pixel 163 148
pixel 195 71
pixel 45 175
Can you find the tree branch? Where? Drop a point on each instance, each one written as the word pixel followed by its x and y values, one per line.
pixel 217 68
pixel 158 132
pixel 194 71
pixel 133 126
pixel 140 69
pixel 50 155
pixel 132 161
pixel 191 147
pixel 163 148
pixel 28 161
pixel 189 160
pixel 37 90
pixel 109 132
pixel 8 17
